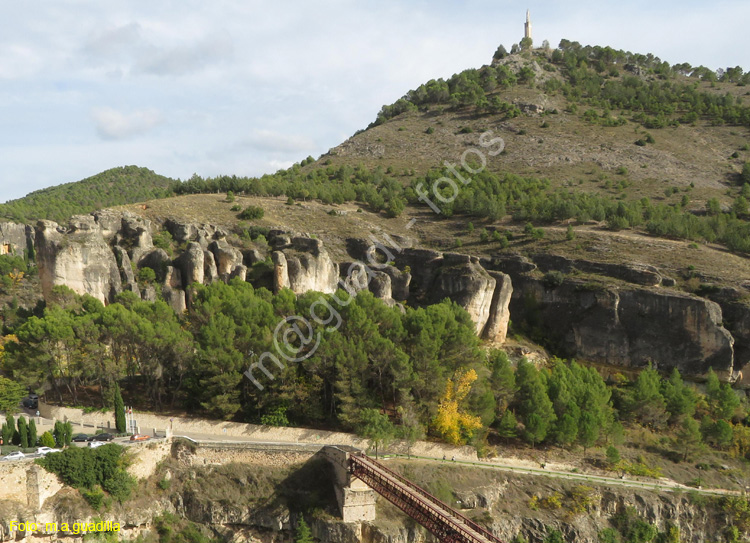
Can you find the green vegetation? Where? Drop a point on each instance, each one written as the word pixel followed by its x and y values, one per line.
pixel 89 469
pixel 251 213
pixel 383 373
pixel 11 394
pixel 590 78
pixel 118 186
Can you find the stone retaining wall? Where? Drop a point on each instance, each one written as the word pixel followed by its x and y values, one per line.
pixel 148 422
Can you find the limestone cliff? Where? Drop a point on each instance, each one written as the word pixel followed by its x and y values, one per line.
pixel 303 264
pixel 77 257
pixel 631 317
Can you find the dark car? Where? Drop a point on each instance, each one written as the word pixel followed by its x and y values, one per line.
pixel 101 437
pixel 80 437
pixel 30 403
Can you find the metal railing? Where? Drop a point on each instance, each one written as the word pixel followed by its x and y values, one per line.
pixel 440 519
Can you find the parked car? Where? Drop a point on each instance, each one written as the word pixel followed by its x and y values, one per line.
pixel 80 437
pixel 139 437
pixel 95 444
pixel 102 437
pixel 30 403
pixel 18 455
pixel 46 450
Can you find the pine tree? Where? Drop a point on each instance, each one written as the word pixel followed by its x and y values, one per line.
pixel 119 410
pixel 613 455
pixel 536 410
pixel 649 402
pixel 23 433
pixel 688 436
pixel 32 433
pixel 508 425
pixel 303 535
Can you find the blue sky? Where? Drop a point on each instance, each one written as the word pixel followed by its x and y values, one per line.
pixel 250 87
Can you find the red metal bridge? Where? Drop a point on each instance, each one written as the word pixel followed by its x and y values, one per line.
pixel 440 519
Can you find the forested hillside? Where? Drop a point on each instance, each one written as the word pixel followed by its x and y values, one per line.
pixel 123 185
pixel 383 373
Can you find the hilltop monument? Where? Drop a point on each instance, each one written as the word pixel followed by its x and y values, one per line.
pixel 527 26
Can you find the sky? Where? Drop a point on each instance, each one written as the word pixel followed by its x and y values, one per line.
pixel 249 87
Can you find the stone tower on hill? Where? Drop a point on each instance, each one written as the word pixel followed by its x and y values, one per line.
pixel 527 26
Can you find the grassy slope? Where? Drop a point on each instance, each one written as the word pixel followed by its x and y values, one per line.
pixel 569 150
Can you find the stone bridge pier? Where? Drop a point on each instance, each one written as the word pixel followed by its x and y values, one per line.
pixel 356 500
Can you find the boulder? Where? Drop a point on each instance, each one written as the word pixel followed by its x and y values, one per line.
pixel 227 257
pixel 181 231
pixel 175 298
pixel 156 259
pixel 192 264
pixel 79 259
pixel 210 274
pixel 127 277
pixel 240 271
pixel 251 256
pixel 280 271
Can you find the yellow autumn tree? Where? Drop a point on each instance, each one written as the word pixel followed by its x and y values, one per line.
pixel 451 423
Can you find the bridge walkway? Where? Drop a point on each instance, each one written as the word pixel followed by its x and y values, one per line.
pixel 445 523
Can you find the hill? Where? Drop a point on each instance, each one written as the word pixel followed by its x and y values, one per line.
pixel 117 186
pixel 588 134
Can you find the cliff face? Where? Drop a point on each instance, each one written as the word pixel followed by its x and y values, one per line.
pixel 631 318
pixel 626 327
pixel 77 257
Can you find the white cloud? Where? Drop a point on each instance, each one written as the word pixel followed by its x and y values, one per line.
pixel 277 142
pixel 250 86
pixel 116 125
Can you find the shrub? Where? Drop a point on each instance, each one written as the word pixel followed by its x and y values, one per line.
pixel 236 207
pixel 163 240
pixel 46 440
pixel 275 417
pixel 252 213
pixel 146 275
pixel 429 130
pixel 230 196
pixel 95 498
pixel 640 143
pixel 553 279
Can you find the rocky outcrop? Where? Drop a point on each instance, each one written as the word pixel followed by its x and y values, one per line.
pixel 15 238
pixel 192 264
pixel 464 281
pixel 227 258
pixel 127 277
pixel 77 257
pixel 496 328
pixel 210 273
pixel 626 327
pixel 304 266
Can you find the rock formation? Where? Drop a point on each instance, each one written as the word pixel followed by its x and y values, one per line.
pixel 77 257
pixel 303 265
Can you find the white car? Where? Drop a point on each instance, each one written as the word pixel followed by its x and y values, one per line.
pixel 46 450
pixel 95 444
pixel 18 455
